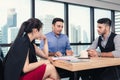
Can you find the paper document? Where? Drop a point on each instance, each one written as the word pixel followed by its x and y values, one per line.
pixel 64 58
pixel 69 58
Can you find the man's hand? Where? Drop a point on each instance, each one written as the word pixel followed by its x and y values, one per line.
pixel 69 52
pixel 92 53
pixel 58 53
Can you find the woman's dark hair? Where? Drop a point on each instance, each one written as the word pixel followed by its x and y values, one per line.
pixel 28 25
pixel 105 21
pixel 57 19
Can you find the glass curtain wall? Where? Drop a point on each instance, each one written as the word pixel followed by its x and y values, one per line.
pixel 12 14
pixel 79 27
pixel 117 22
pixel 46 11
pixel 100 13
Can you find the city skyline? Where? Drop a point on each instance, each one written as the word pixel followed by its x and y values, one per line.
pixel 10 29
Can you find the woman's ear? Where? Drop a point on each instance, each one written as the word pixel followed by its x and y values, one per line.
pixel 35 30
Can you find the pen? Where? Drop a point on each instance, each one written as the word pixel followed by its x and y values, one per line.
pixel 84 58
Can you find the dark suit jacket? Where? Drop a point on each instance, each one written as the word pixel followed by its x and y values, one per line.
pixel 15 59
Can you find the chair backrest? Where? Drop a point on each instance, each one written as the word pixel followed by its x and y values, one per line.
pixel 1 70
pixel 1 64
pixel 1 54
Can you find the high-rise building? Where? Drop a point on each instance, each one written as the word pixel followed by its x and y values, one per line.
pixel 4 34
pixel 12 33
pixel 9 30
pixel 11 22
pixel 0 36
pixel 75 37
pixel 47 20
pixel 12 18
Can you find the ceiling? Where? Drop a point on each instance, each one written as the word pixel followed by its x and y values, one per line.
pixel 116 2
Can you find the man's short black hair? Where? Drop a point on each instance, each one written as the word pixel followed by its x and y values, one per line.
pixel 105 21
pixel 57 19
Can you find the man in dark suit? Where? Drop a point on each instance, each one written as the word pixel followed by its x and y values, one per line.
pixel 109 45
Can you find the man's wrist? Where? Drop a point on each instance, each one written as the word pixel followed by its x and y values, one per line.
pixel 99 55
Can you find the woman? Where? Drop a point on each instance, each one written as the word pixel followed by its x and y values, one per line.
pixel 21 62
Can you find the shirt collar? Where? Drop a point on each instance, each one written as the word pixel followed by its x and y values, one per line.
pixel 106 37
pixel 55 34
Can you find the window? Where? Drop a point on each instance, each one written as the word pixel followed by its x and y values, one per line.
pixel 12 14
pixel 46 11
pixel 100 13
pixel 117 22
pixel 79 24
pixel 79 27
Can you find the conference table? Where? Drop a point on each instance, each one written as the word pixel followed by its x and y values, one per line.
pixel 85 64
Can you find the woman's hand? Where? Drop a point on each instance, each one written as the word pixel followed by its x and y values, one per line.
pixel 44 61
pixel 50 59
pixel 42 37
